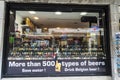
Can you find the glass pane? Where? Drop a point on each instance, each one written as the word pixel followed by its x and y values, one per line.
pixel 43 43
pixel 62 35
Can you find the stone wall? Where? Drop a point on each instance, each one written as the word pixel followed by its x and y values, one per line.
pixel 2 18
pixel 67 1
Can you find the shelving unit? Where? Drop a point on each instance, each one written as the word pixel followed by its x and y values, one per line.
pixel 48 45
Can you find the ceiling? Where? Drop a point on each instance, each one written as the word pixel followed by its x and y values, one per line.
pixel 49 19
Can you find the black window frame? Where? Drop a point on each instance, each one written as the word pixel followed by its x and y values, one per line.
pixel 54 7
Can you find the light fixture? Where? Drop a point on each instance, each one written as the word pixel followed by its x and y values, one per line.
pixel 36 18
pixel 58 28
pixel 32 12
pixel 45 28
pixel 83 13
pixel 11 12
pixel 58 13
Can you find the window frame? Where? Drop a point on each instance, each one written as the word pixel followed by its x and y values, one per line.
pixel 53 7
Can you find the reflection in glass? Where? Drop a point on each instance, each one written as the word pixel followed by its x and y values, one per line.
pixel 55 37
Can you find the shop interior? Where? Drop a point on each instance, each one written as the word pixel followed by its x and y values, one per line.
pixel 56 35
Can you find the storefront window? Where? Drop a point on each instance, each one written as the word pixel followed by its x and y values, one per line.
pixel 49 43
pixel 63 36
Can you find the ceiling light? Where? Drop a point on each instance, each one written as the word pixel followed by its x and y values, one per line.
pixel 11 12
pixel 83 13
pixel 45 28
pixel 32 12
pixel 58 13
pixel 36 18
pixel 58 27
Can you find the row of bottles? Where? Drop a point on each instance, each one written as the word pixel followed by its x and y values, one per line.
pixel 61 53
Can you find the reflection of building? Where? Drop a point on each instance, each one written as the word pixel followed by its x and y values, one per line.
pixel 70 46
